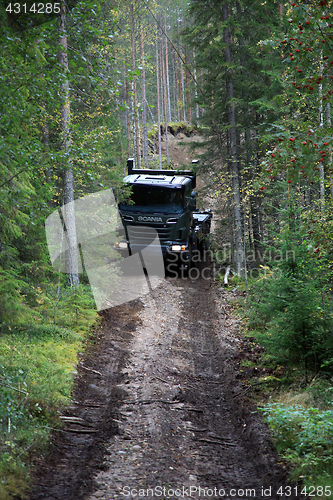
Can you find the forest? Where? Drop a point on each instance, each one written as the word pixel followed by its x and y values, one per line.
pixel 84 85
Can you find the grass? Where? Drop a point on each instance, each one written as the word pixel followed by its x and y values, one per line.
pixel 37 363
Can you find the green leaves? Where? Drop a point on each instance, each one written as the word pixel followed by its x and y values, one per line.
pixel 292 305
pixel 303 436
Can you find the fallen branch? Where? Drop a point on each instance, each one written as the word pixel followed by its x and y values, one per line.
pixel 161 379
pixel 242 393
pixel 196 430
pixel 150 401
pixel 71 419
pixel 91 370
pixel 80 431
pixel 215 436
pixel 76 420
pixel 221 443
pixel 91 405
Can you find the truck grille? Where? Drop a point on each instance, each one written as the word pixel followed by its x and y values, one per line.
pixel 143 235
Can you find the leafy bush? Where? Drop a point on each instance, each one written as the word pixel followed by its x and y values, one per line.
pixel 304 437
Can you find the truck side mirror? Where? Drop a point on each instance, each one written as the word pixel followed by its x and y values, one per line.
pixel 193 203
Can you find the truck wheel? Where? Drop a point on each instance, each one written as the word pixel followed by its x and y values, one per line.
pixel 194 246
pixel 206 243
pixel 201 247
pixel 183 271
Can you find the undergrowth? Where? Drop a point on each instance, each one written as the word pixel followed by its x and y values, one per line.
pixel 304 438
pixel 37 362
pixel 287 315
pixel 297 404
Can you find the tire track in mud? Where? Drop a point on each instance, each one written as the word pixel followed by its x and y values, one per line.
pixel 177 417
pixel 183 423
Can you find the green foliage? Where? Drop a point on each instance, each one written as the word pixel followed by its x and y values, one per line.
pixel 36 377
pixel 301 140
pixel 289 304
pixel 13 309
pixel 304 438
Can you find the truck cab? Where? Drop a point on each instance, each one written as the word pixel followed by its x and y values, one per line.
pixel 162 200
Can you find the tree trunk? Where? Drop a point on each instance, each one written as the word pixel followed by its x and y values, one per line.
pixel 329 124
pixel 128 125
pixel 321 166
pixel 158 103
pixel 72 262
pixel 167 82
pixel 201 79
pixel 165 102
pixel 144 102
pixel 255 228
pixel 178 88
pixel 135 95
pixel 239 249
pixel 187 86
pixel 182 89
pixel 174 85
pixel 195 90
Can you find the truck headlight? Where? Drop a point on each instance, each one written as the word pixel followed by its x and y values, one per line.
pixel 122 245
pixel 178 248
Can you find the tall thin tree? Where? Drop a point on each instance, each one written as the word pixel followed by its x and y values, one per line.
pixel 165 102
pixel 72 263
pixel 135 94
pixel 158 101
pixel 167 82
pixel 144 101
pixel 239 248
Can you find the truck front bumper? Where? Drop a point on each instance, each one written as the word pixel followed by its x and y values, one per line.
pixel 174 253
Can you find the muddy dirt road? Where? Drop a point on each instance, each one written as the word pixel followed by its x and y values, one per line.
pixel 159 406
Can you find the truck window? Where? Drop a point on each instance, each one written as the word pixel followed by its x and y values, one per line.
pixel 187 194
pixel 154 198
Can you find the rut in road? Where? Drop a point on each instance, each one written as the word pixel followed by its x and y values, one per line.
pixel 182 423
pixel 183 419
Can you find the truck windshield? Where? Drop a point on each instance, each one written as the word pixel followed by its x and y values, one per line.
pixel 154 199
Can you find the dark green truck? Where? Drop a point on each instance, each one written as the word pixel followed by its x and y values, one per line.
pixel 164 201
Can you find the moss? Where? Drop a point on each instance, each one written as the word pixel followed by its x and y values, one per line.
pixel 174 128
